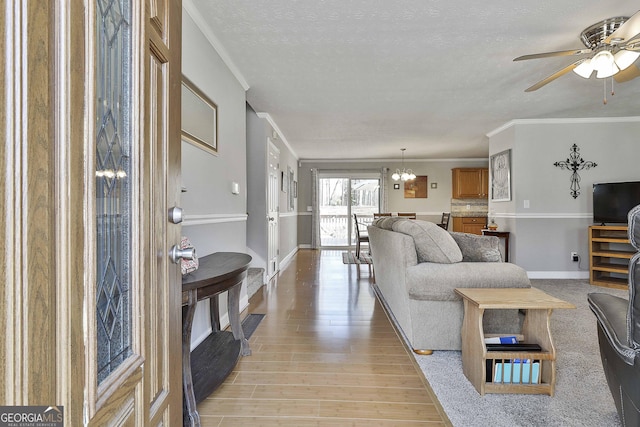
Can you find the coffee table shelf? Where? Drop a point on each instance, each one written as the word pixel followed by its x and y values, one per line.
pixel 538 307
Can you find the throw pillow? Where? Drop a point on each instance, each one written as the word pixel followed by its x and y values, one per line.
pixel 433 243
pixel 477 248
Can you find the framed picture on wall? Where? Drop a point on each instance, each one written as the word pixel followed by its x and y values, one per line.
pixel 291 193
pixel 500 168
pixel 284 182
pixel 199 118
pixel 416 188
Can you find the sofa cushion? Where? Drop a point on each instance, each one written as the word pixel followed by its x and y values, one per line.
pixel 436 282
pixel 477 248
pixel 386 222
pixel 433 243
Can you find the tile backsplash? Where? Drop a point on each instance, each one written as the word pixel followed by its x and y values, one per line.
pixel 479 206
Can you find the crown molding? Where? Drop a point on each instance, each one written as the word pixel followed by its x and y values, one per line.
pixel 576 120
pixel 275 127
pixel 193 12
pixel 480 159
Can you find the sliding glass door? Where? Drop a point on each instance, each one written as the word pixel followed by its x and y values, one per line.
pixel 341 196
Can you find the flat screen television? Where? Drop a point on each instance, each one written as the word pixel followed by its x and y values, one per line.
pixel 612 201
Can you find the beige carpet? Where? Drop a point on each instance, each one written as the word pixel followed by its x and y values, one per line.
pixel 582 396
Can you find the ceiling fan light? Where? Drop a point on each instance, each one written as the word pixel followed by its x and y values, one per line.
pixel 625 58
pixel 605 72
pixel 585 69
pixel 602 61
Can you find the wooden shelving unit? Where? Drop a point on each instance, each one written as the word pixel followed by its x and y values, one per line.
pixel 609 255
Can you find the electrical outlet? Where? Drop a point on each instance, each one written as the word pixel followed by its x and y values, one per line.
pixel 575 257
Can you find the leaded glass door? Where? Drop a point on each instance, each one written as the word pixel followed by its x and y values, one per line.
pixel 91 164
pixel 135 347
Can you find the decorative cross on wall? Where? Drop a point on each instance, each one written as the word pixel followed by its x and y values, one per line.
pixel 575 163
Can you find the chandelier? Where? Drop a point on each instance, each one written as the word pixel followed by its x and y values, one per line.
pixel 405 174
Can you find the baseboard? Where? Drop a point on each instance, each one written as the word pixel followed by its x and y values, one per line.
pixel 558 274
pixel 286 260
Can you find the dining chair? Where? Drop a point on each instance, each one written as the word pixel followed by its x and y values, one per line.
pixel 361 237
pixel 409 215
pixel 380 214
pixel 444 222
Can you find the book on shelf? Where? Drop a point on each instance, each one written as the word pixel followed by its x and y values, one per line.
pixel 501 340
pixel 521 346
pixel 509 372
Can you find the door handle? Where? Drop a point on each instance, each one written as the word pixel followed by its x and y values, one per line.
pixel 176 254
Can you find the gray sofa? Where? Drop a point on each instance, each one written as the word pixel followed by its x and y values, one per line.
pixel 417 267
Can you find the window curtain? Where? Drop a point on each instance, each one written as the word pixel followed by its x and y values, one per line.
pixel 384 189
pixel 315 210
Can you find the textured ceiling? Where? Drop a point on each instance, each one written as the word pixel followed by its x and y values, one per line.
pixel 361 79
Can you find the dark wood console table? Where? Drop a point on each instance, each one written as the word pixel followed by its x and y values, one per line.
pixel 204 369
pixel 500 235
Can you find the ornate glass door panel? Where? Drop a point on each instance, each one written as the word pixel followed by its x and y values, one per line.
pixel 113 188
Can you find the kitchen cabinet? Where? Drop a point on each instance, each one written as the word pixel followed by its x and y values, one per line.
pixel 470 224
pixel 470 183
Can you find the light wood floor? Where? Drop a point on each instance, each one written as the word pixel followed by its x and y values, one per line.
pixel 324 355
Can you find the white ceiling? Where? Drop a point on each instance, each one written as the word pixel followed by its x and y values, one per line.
pixel 360 79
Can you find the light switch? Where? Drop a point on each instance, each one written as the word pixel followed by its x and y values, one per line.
pixel 526 204
pixel 235 188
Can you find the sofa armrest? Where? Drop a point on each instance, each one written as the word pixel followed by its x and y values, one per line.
pixel 477 248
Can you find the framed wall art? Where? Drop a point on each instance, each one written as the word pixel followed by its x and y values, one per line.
pixel 500 168
pixel 199 118
pixel 416 188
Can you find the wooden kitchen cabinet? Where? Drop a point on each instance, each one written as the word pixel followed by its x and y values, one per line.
pixel 470 183
pixel 470 224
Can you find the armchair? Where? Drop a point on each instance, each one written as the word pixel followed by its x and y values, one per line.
pixel 619 335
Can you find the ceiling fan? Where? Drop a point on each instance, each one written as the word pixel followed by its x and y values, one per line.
pixel 612 47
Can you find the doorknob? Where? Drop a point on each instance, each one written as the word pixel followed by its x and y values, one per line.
pixel 176 254
pixel 175 215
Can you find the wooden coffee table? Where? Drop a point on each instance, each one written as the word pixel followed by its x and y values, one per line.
pixel 538 306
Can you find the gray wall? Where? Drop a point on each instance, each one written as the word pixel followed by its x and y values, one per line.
pixel 555 223
pixel 215 219
pixel 288 215
pixel 259 131
pixel 438 200
pixel 257 157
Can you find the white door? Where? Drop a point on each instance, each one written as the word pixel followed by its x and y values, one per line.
pixel 273 210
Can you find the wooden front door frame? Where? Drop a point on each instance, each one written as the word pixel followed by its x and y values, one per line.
pixel 48 174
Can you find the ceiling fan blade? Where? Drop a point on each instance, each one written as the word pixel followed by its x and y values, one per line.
pixel 627 31
pixel 552 54
pixel 555 75
pixel 627 74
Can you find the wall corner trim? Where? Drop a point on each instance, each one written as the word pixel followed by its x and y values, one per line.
pixel 273 124
pixel 213 219
pixel 575 120
pixel 192 11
